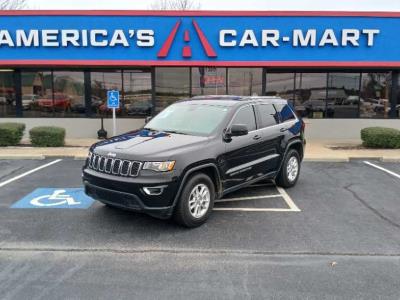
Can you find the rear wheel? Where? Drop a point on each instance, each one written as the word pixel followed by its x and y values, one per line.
pixel 290 170
pixel 196 201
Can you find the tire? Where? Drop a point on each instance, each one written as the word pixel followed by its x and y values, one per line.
pixel 196 184
pixel 287 178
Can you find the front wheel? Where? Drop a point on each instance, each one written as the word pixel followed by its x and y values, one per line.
pixel 196 201
pixel 290 170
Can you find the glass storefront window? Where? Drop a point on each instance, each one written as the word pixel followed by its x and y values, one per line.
pixel 69 94
pixel 245 81
pixel 398 98
pixel 137 93
pixel 7 94
pixel 37 94
pixel 172 84
pixel 344 94
pixel 310 98
pixel 281 85
pixel 374 101
pixel 101 82
pixel 208 81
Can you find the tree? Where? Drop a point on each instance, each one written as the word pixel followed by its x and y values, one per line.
pixel 12 4
pixel 175 5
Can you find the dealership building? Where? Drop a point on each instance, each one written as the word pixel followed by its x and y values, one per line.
pixel 339 70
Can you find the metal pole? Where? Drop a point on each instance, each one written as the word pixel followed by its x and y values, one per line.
pixel 114 123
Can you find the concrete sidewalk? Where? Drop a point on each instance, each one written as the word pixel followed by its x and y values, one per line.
pixel 316 150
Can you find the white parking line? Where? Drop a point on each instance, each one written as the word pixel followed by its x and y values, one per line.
pixel 382 169
pixel 288 199
pixel 29 172
pixel 247 198
pixel 282 193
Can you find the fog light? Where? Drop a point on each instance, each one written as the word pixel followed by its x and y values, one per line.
pixel 154 190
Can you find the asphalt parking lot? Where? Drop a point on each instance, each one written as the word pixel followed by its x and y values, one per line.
pixel 335 235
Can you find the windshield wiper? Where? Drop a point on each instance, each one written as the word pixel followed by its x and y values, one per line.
pixel 176 132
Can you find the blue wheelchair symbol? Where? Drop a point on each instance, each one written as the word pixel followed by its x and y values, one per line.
pixel 112 99
pixel 55 198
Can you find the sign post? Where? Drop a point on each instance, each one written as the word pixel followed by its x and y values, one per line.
pixel 113 103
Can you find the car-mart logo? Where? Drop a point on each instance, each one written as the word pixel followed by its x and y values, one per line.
pixel 222 38
pixel 187 50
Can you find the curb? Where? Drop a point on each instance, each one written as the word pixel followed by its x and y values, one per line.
pixel 19 156
pixel 326 159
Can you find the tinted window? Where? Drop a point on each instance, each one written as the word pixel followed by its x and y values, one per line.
pixel 268 115
pixel 245 116
pixel 284 112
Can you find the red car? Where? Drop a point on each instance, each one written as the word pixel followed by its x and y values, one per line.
pixel 103 109
pixel 61 102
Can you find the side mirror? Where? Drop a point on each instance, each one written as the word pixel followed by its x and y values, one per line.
pixel 147 120
pixel 238 130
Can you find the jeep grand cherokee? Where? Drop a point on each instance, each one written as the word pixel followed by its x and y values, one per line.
pixel 196 151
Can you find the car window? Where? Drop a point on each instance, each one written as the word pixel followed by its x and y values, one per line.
pixel 285 112
pixel 189 118
pixel 268 115
pixel 245 116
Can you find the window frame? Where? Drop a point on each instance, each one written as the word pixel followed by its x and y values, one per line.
pixel 295 118
pixel 260 116
pixel 238 110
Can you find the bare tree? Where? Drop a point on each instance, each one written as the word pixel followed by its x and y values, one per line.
pixel 175 5
pixel 12 4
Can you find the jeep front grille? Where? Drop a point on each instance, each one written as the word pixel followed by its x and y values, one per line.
pixel 114 166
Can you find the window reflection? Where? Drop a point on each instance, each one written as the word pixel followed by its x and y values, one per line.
pixel 281 85
pixel 374 102
pixel 69 94
pixel 311 95
pixel 101 82
pixel 208 81
pixel 343 94
pixel 137 93
pixel 245 81
pixel 172 84
pixel 37 94
pixel 7 94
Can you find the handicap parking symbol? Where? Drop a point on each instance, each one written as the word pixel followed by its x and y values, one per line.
pixel 55 198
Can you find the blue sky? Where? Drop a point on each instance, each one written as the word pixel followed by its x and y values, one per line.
pixel 350 5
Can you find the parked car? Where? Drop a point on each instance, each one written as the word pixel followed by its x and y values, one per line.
pixel 139 108
pixel 61 102
pixel 79 106
pixel 311 106
pixel 196 151
pixel 3 100
pixel 28 101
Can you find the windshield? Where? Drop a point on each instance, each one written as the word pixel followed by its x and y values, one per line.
pixel 189 118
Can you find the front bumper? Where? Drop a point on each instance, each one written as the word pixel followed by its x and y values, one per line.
pixel 129 194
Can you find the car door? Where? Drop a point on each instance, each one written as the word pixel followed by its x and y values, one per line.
pixel 272 135
pixel 242 152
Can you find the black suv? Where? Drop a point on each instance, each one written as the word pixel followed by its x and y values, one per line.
pixel 196 151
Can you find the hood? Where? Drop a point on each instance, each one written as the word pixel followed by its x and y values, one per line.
pixel 147 145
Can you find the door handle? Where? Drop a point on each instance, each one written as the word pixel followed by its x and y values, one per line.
pixel 283 129
pixel 257 137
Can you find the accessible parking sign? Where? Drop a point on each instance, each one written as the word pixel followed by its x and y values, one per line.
pixel 69 198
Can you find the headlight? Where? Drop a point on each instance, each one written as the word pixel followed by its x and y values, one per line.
pixel 159 166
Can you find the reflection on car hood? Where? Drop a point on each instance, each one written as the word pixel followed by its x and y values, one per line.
pixel 146 144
